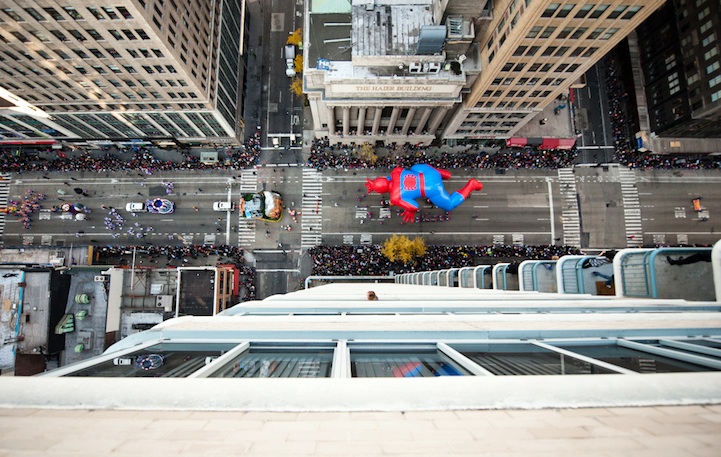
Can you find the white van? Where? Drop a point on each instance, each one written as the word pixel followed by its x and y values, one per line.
pixel 223 206
pixel 135 207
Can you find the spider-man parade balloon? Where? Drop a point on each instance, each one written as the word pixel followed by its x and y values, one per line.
pixel 421 181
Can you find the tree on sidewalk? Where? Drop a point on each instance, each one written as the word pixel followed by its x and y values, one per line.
pixel 295 38
pixel 367 153
pixel 400 248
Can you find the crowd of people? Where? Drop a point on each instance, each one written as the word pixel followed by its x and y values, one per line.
pixel 225 253
pixel 126 160
pixel 368 260
pixel 625 149
pixel 324 155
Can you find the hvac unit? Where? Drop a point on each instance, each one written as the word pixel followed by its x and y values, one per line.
pixel 157 289
pixel 100 278
pixel 165 302
pixel 415 67
pixel 434 67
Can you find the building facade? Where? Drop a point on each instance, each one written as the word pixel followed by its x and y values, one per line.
pixel 679 49
pixel 420 71
pixel 132 70
pixel 531 53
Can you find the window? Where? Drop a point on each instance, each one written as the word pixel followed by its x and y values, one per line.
pixel 77 35
pixel 35 14
pixel 124 12
pixel 713 82
pixel 565 32
pixel 599 11
pixel 113 52
pixel 548 31
pixel 116 34
pixel 172 83
pixel 44 55
pixel 561 51
pixel 713 67
pixel 609 33
pixel 40 36
pixel 578 51
pixel 549 51
pixel 705 27
pixel 703 13
pixel 110 12
pixel 55 14
pixel 596 33
pixel 80 53
pixel 565 10
pixel 591 51
pixel 532 51
pixel 551 9
pixel 632 12
pixel 62 55
pixel 158 53
pixel 148 69
pixel 94 34
pixel 708 40
pixel 141 33
pixel 96 53
pixel 72 12
pixel 519 67
pixel 583 11
pixel 159 69
pixel 129 33
pixel 161 83
pixel 99 69
pixel 59 35
pixel 133 53
pixel 171 69
pixel 711 53
pixel 716 96
pixel 97 14
pixel 20 37
pixel 145 53
pixel 617 11
pixel 130 69
pixel 519 51
pixel 80 69
pixel 533 33
pixel 115 69
pixel 579 33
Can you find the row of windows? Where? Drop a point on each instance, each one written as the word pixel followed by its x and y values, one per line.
pixel 559 11
pixel 399 360
pixel 100 14
pixel 573 33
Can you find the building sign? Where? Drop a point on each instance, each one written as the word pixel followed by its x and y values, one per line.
pixel 395 90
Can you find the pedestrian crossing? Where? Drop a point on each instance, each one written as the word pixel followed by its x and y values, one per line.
pixel 631 207
pixel 312 208
pixel 570 213
pixel 246 227
pixel 4 196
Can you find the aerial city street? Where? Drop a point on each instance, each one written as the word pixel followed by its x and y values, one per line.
pixel 285 209
pixel 578 171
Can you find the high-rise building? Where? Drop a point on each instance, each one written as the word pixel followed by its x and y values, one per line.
pixel 438 345
pixel 531 53
pixel 148 70
pixel 679 50
pixel 418 71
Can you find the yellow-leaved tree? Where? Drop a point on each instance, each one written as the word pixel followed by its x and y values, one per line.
pixel 400 248
pixel 367 153
pixel 296 86
pixel 295 38
pixel 298 63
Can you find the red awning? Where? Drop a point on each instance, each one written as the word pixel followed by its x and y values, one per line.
pixel 566 143
pixel 549 143
pixel 516 142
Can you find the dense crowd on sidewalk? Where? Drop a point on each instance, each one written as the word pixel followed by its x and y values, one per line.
pixel 368 260
pixel 324 155
pixel 141 159
pixel 226 254
pixel 625 151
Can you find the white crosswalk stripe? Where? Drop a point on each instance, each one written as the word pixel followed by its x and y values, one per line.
pixel 312 209
pixel 4 195
pixel 246 227
pixel 570 213
pixel 631 207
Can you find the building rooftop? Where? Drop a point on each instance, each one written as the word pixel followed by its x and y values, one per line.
pixel 389 28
